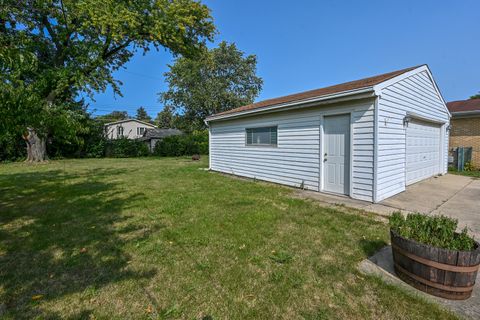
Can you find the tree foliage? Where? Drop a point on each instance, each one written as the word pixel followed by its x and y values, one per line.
pixel 165 118
pixel 476 96
pixel 124 148
pixel 113 116
pixel 189 144
pixel 221 79
pixel 142 115
pixel 50 51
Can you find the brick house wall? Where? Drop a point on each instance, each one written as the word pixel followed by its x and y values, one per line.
pixel 465 132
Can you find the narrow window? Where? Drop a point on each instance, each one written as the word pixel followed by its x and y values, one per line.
pixel 119 131
pixel 266 136
pixel 140 131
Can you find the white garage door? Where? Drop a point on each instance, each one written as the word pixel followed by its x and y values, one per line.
pixel 423 150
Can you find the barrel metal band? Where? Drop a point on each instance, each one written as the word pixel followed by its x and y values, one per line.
pixel 434 284
pixel 434 264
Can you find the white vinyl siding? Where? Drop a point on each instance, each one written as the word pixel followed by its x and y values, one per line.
pixel 295 160
pixel 362 153
pixel 415 95
pixel 377 142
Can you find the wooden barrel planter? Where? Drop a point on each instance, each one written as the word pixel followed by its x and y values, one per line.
pixel 440 272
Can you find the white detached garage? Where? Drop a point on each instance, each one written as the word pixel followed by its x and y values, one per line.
pixel 367 139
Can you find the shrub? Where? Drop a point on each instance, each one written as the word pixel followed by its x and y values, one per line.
pixel 12 147
pixel 438 231
pixel 183 145
pixel 469 166
pixel 124 148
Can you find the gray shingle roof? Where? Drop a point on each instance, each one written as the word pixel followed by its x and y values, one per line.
pixel 160 133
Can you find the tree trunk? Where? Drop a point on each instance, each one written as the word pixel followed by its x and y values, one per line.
pixel 36 146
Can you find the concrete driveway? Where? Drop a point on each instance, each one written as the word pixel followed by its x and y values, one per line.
pixel 451 195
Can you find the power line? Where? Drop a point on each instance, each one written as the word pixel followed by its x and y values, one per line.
pixel 142 75
pixel 129 110
pixel 126 107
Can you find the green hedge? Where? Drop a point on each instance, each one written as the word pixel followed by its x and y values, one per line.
pixel 124 148
pixel 183 145
pixel 438 231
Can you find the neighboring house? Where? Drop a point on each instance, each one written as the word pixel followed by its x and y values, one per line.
pixel 129 128
pixel 465 124
pixel 153 136
pixel 368 139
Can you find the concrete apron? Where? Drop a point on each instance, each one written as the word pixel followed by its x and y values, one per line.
pixel 451 195
pixel 381 265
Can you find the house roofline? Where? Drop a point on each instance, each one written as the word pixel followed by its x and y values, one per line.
pixel 127 120
pixel 349 95
pixel 376 89
pixel 465 113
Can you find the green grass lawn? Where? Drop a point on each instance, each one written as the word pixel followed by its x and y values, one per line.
pixel 163 239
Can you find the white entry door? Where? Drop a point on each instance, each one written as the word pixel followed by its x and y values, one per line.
pixel 423 150
pixel 336 156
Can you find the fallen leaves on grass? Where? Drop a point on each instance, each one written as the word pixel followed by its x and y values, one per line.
pixel 149 309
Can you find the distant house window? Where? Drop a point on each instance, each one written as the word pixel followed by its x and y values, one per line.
pixel 266 136
pixel 141 131
pixel 119 131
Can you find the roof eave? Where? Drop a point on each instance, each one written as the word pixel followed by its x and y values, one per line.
pixel 331 98
pixel 465 113
pixel 126 120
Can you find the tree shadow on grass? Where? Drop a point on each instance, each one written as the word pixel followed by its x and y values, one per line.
pixel 58 236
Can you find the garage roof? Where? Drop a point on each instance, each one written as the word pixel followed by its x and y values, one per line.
pixel 317 93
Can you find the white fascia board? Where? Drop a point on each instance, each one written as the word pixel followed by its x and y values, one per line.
pixel 438 90
pixel 379 87
pixel 382 85
pixel 331 98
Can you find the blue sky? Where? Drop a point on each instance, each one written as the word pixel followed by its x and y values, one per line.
pixel 302 45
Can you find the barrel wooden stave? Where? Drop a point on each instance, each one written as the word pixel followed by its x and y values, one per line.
pixel 455 285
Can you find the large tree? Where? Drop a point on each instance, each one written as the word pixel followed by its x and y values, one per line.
pixel 221 79
pixel 113 116
pixel 52 50
pixel 142 115
pixel 477 96
pixel 165 118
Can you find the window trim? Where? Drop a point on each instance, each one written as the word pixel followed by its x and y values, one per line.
pixel 120 135
pixel 261 145
pixel 139 131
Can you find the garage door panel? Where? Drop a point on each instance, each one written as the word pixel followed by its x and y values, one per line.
pixel 423 150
